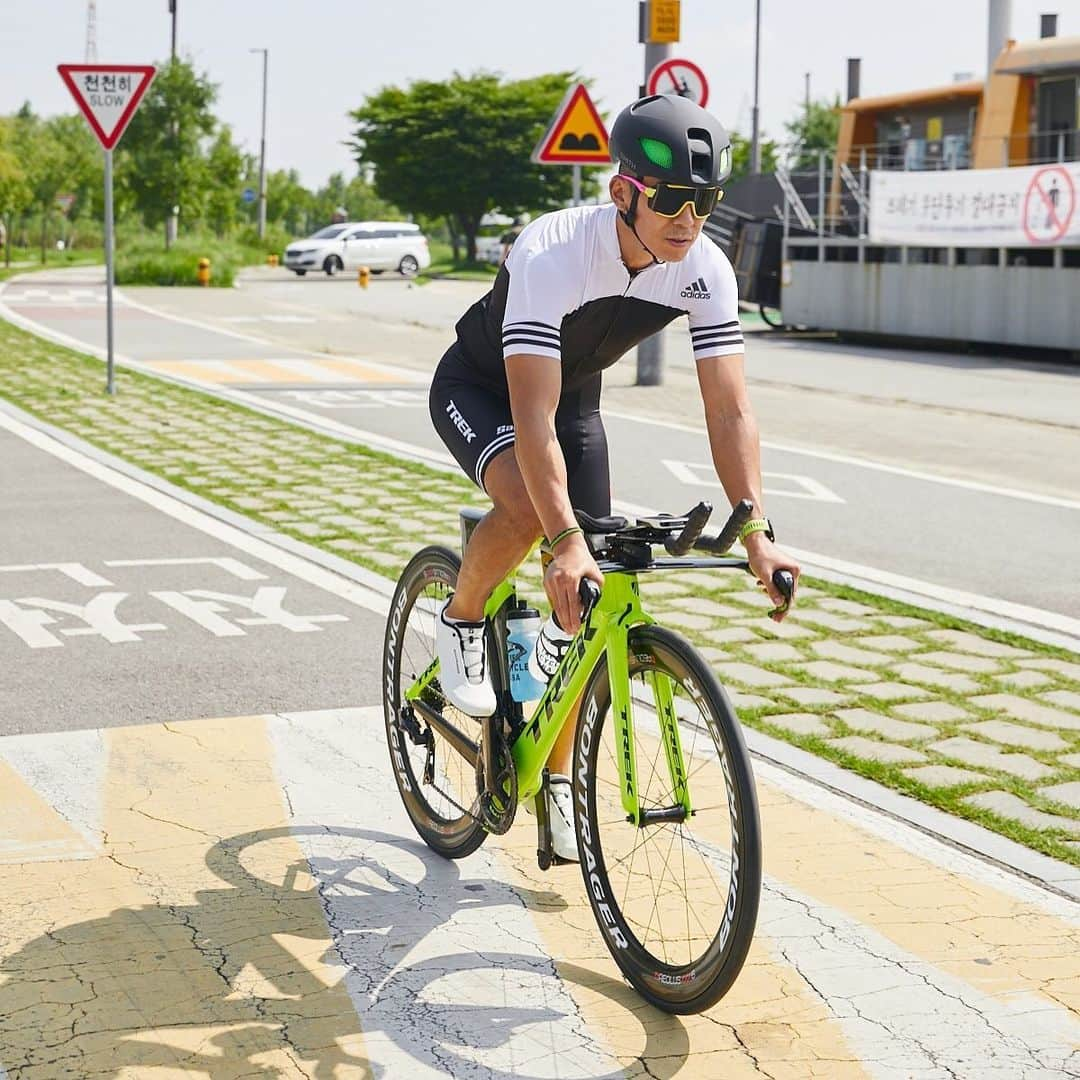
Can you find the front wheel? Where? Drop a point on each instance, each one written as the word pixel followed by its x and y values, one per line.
pixel 332 265
pixel 437 785
pixel 677 898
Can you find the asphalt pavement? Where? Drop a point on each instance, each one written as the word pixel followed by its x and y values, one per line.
pixel 845 495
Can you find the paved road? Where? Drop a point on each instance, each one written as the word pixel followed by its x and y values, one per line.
pixel 205 867
pixel 962 441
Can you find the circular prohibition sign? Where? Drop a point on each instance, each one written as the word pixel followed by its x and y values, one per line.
pixel 682 77
pixel 1049 205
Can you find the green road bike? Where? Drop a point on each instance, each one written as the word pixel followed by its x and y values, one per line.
pixel 666 811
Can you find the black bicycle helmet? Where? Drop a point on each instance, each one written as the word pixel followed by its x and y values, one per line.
pixel 673 139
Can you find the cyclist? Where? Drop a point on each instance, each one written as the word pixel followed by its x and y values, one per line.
pixel 516 397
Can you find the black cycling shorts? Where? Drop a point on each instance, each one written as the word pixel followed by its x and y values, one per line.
pixel 475 422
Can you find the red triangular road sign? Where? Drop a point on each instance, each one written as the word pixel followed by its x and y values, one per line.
pixel 577 135
pixel 107 94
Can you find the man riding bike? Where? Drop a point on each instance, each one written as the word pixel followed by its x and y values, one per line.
pixel 516 397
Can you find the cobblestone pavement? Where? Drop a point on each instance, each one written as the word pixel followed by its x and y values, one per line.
pixel 981 724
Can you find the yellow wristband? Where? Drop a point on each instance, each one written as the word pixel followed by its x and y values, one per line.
pixel 756 525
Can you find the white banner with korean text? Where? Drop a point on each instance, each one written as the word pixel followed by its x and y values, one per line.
pixel 1034 206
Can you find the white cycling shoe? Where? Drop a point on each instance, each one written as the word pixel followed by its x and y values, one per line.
pixel 561 817
pixel 463 670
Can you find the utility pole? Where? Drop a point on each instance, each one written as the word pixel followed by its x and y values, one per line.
pixel 172 218
pixel 91 32
pixel 262 149
pixel 755 134
pixel 807 93
pixel 659 25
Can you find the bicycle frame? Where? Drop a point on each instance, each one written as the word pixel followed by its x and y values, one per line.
pixel 605 632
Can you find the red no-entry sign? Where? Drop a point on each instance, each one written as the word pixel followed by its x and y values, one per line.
pixel 682 77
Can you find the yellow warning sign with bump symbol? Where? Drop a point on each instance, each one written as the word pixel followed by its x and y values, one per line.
pixel 577 135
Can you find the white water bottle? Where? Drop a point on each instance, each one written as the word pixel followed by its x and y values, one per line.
pixel 551 646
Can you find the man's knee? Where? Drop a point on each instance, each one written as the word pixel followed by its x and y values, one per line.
pixel 507 489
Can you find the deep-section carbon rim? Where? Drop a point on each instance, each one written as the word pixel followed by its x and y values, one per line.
pixel 440 804
pixel 676 901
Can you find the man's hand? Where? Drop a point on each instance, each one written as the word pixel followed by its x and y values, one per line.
pixel 765 559
pixel 571 563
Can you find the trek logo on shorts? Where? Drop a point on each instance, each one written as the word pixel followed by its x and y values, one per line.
pixel 697 290
pixel 460 422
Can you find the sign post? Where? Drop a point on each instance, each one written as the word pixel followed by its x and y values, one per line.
pixel 107 95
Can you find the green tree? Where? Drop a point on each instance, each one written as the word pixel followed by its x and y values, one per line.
pixel 15 193
pixel 288 202
pixel 161 162
pixel 460 148
pixel 740 156
pixel 817 127
pixel 226 166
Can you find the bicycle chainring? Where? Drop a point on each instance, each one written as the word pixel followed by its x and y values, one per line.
pixel 496 811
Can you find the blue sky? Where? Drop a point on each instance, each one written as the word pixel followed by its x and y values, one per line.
pixel 325 55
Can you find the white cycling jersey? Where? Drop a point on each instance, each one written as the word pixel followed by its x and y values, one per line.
pixel 565 293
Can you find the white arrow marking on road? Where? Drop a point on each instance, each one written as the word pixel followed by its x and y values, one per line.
pixel 687 472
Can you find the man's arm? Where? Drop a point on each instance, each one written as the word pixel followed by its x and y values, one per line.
pixel 535 384
pixel 736 453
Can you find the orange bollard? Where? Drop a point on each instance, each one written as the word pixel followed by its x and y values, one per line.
pixel 363 277
pixel 271 260
pixel 203 275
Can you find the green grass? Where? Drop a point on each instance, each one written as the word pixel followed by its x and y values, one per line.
pixel 27 260
pixel 443 265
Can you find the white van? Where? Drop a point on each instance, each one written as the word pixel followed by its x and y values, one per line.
pixel 378 245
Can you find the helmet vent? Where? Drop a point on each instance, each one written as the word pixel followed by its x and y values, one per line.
pixel 699 143
pixel 659 153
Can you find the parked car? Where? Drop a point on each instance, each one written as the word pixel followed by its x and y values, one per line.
pixel 378 245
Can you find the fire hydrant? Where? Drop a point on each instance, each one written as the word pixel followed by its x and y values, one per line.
pixel 203 275
pixel 271 260
pixel 363 277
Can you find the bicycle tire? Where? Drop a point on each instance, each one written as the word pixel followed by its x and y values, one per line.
pixel 450 827
pixel 681 980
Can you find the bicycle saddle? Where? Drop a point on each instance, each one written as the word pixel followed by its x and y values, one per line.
pixel 601 525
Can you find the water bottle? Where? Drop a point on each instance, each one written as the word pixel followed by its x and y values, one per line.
pixel 522 630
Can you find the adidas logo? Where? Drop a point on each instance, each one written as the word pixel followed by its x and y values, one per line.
pixel 697 290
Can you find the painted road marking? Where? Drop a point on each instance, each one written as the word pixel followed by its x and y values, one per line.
pixel 360 399
pixel 796 487
pixel 224 562
pixel 271 370
pixel 276 911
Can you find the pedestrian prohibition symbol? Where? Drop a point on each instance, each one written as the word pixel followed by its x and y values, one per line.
pixel 1049 205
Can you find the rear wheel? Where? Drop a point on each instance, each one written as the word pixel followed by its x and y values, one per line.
pixel 332 265
pixel 408 267
pixel 676 900
pixel 299 273
pixel 437 784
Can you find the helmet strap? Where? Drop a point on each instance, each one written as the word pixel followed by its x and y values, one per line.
pixel 628 215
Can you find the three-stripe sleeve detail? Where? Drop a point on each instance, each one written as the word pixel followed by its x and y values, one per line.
pixel 539 338
pixel 717 339
pixel 489 451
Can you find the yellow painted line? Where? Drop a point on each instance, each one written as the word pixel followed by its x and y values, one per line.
pixel 32 830
pixel 356 370
pixel 179 951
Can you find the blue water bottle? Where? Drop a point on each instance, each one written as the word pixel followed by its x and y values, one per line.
pixel 522 630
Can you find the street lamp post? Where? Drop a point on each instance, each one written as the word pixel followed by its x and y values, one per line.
pixel 262 149
pixel 755 136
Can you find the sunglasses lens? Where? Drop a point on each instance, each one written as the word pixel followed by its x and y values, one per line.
pixel 669 201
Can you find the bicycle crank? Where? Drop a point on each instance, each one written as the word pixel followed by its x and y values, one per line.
pixel 497 801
